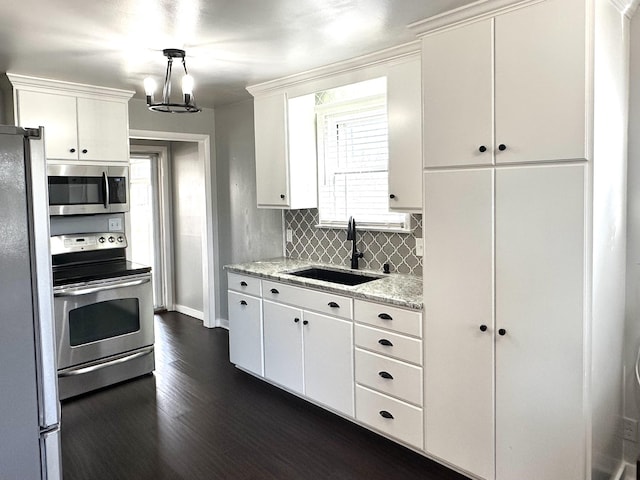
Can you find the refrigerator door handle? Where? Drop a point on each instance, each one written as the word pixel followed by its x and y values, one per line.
pixel 43 285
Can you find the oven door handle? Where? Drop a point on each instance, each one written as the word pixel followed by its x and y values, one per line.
pixel 100 366
pixel 76 292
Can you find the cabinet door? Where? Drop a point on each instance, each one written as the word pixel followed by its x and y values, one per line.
pixel 245 332
pixel 540 283
pixel 404 105
pixel 457 83
pixel 270 121
pixel 103 130
pixel 458 302
pixel 328 361
pixel 283 345
pixel 540 82
pixel 57 113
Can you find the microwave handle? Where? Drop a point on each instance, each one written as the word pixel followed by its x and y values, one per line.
pixel 105 186
pixel 75 292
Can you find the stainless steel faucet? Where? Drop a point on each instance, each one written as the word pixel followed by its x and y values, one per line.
pixel 351 235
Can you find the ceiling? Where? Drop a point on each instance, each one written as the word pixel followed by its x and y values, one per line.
pixel 229 43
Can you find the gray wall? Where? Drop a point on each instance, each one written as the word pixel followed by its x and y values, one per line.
pixel 188 202
pixel 245 232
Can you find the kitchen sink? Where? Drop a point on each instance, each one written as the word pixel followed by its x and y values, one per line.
pixel 335 276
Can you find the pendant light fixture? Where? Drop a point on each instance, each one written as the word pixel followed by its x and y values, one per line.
pixel 189 105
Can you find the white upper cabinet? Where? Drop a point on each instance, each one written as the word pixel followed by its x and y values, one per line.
pixel 507 89
pixel 457 94
pixel 285 151
pixel 404 94
pixel 82 123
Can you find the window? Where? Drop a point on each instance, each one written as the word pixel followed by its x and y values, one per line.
pixel 353 157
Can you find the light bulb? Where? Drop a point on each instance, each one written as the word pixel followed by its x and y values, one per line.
pixel 149 86
pixel 187 85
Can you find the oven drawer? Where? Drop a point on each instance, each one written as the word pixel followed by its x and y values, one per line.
pixel 103 318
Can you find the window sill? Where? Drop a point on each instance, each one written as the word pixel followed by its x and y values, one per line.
pixel 367 228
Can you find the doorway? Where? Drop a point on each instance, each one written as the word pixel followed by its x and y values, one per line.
pixel 149 219
pixel 204 278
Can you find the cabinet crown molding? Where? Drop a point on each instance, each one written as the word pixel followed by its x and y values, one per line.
pixel 25 82
pixel 489 8
pixel 390 55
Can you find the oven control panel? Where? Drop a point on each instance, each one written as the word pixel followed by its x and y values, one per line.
pixel 86 242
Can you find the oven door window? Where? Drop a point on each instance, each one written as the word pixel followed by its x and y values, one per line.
pixel 103 320
pixel 76 190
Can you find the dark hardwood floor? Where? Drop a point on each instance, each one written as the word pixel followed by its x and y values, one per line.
pixel 198 417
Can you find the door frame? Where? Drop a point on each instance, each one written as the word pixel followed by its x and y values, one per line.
pixel 210 253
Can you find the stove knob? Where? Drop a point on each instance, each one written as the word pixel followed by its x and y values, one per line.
pixel 102 240
pixel 120 239
pixel 112 239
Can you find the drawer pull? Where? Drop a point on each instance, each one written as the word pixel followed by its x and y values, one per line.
pixel 243 283
pixel 386 375
pixel 333 305
pixel 385 316
pixel 242 302
pixel 274 291
pixel 385 414
pixel 385 342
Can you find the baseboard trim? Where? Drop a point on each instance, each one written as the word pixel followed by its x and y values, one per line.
pixel 190 311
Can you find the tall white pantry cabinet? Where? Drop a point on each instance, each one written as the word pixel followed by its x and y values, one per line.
pixel 525 116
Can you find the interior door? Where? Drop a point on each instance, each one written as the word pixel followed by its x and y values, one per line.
pixel 458 312
pixel 540 254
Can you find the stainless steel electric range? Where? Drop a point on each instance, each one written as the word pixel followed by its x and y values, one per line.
pixel 103 311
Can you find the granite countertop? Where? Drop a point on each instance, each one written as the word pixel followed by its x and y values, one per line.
pixel 393 288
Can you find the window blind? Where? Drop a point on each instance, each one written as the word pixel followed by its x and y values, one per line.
pixel 353 164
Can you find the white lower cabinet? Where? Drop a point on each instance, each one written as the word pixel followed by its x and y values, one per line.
pixel 505 320
pixel 245 332
pixel 309 353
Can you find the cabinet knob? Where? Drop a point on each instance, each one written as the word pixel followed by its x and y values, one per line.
pixel 282 196
pixel 84 150
pixel 385 414
pixel 385 342
pixel 386 375
pixel 482 149
pixel 483 328
pixel 72 150
pixel 305 322
pixel 385 316
pixel 502 332
pixel 242 302
pixel 502 147
pixel 274 291
pixel 333 305
pixel 392 196
pixel 243 284
pixel 296 320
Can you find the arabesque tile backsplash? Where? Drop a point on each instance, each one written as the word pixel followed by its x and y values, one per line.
pixel 330 245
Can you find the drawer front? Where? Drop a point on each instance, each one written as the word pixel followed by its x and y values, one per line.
pixel 393 417
pixel 389 376
pixel 388 343
pixel 244 283
pixel 322 302
pixel 391 318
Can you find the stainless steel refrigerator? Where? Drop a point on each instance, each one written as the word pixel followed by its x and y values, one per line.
pixel 29 406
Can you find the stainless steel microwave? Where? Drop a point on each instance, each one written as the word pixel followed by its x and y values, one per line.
pixel 87 189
